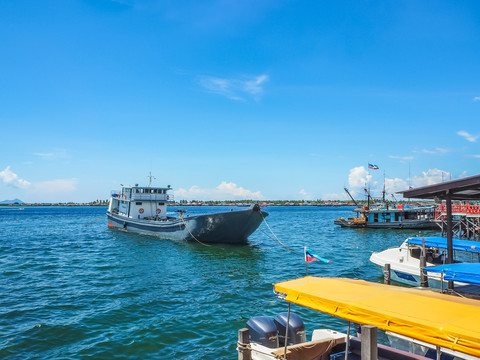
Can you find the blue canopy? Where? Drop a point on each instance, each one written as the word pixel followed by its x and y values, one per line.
pixel 441 243
pixel 464 272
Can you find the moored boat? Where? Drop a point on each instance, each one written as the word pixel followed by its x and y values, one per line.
pixel 401 217
pixel 404 260
pixel 445 322
pixel 143 209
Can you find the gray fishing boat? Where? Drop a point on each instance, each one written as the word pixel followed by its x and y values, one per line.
pixel 143 209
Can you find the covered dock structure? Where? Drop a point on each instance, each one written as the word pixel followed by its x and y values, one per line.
pixel 465 189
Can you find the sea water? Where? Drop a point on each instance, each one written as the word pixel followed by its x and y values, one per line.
pixel 70 288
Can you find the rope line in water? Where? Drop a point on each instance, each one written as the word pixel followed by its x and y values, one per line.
pixel 186 227
pixel 269 228
pixel 95 220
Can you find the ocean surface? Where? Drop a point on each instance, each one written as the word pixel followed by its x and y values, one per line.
pixel 70 288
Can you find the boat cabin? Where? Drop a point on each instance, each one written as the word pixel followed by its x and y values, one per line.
pixel 402 213
pixel 141 202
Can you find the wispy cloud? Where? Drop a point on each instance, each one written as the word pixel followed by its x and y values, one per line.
pixel 476 98
pixel 468 136
pixel 403 158
pixel 436 151
pixel 475 156
pixel 53 155
pixel 224 191
pixel 12 179
pixel 235 89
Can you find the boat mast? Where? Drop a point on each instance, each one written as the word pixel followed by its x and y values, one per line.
pixel 383 193
pixel 150 176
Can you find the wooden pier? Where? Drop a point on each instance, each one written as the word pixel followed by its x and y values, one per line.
pixel 465 220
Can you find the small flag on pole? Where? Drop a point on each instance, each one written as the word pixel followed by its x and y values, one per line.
pixel 372 166
pixel 311 256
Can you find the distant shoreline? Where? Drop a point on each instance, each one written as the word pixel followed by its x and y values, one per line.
pixel 216 203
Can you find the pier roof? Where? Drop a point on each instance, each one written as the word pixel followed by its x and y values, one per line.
pixel 462 189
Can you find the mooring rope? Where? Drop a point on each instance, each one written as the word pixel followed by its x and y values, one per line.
pixel 286 247
pixel 95 220
pixel 186 227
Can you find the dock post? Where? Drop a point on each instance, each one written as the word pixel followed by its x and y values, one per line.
pixel 369 342
pixel 243 345
pixel 423 274
pixel 386 274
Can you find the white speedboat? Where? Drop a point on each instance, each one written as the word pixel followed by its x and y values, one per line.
pixel 405 260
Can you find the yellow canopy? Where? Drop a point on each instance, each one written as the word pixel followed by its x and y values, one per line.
pixel 437 319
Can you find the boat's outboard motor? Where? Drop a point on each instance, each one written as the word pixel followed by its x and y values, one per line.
pixel 296 329
pixel 263 331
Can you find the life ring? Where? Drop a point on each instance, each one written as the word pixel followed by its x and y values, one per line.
pixel 140 211
pixel 159 211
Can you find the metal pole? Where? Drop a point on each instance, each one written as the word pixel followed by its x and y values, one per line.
pixel 449 234
pixel 306 262
pixel 286 332
pixel 347 346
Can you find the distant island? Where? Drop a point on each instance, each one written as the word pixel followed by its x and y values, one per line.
pixel 14 201
pixel 326 203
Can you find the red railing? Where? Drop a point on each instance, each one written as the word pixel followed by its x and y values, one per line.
pixel 457 209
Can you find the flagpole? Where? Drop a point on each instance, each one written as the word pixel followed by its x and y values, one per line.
pixel 306 263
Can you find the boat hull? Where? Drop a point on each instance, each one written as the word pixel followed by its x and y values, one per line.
pixel 410 224
pixel 232 227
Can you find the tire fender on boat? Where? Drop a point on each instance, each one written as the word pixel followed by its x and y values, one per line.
pixel 140 210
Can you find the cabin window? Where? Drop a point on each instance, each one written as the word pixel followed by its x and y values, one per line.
pixel 161 204
pixel 138 203
pixel 375 217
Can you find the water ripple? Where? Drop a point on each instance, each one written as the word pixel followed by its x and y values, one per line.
pixel 73 291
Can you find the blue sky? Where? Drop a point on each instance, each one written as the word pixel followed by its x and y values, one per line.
pixel 236 99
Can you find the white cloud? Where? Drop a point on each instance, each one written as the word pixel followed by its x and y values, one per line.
pixel 56 186
pixel 394 185
pixel 476 98
pixel 235 89
pixel 358 177
pixel 468 136
pixel 305 196
pixel 475 156
pixel 430 177
pixel 224 191
pixel 12 179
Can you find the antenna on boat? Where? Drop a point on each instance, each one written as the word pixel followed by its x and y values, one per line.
pixel 150 176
